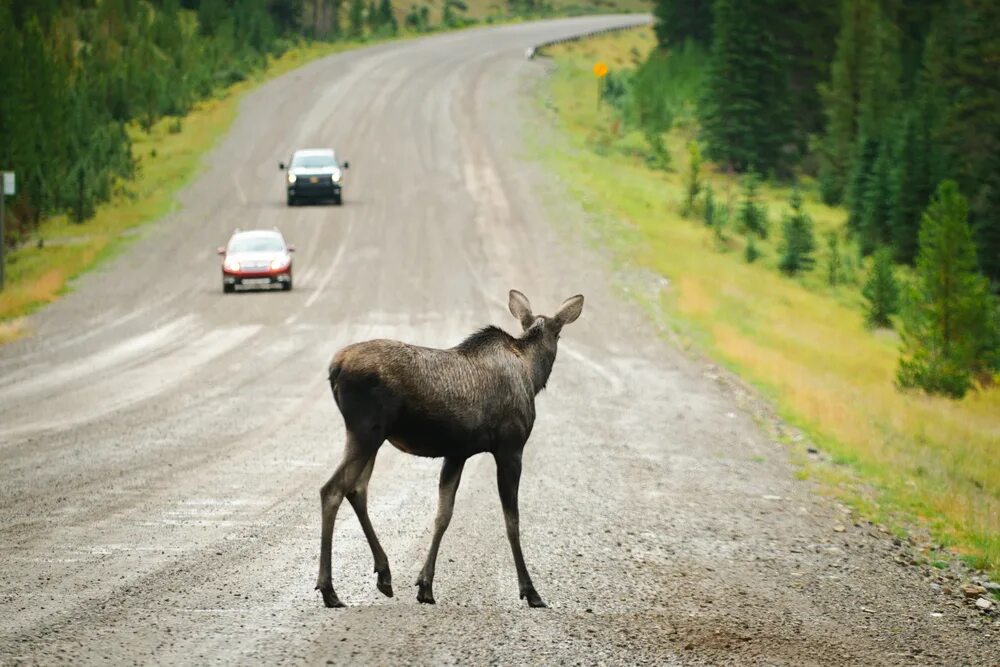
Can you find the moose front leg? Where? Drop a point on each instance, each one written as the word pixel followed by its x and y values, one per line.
pixel 451 475
pixel 508 481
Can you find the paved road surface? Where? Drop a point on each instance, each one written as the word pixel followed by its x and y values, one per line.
pixel 162 445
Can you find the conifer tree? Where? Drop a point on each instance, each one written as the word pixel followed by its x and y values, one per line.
pixel 841 95
pixel 752 216
pixel 913 180
pixel 834 268
pixel 861 169
pixel 709 206
pixel 881 291
pixel 798 243
pixel 744 109
pixel 750 251
pixel 876 204
pixel 965 67
pixel 387 19
pixel 681 20
pixel 950 331
pixel 356 18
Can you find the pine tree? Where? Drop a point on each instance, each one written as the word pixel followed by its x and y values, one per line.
pixel 876 210
pixel 880 80
pixel 681 20
pixel 913 181
pixel 806 34
pixel 708 211
pixel 387 19
pixel 841 97
pixel 834 264
pixel 881 291
pixel 798 243
pixel 861 168
pixel 752 216
pixel 966 70
pixel 356 18
pixel 371 17
pixel 744 109
pixel 750 251
pixel 950 331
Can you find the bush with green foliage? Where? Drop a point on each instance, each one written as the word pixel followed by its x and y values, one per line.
pixel 692 184
pixel 950 322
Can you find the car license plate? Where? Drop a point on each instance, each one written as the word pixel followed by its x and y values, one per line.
pixel 256 281
pixel 313 179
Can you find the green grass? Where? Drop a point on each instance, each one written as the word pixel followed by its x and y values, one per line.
pixel 904 459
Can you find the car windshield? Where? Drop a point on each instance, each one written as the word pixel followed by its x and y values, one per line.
pixel 313 161
pixel 256 244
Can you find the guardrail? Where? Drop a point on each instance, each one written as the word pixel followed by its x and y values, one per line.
pixel 537 48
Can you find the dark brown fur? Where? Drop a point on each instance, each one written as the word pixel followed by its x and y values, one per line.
pixel 476 397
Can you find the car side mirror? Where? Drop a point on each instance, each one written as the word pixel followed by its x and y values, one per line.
pixel 281 166
pixel 220 250
pixel 347 165
pixel 291 248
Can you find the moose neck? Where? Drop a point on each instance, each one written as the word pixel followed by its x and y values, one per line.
pixel 539 358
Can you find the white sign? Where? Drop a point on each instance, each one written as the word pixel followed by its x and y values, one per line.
pixel 8 183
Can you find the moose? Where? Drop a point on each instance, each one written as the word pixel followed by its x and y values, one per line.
pixel 476 397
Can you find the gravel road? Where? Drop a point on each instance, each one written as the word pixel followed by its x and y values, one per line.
pixel 162 445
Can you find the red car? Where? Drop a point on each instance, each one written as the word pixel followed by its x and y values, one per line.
pixel 256 258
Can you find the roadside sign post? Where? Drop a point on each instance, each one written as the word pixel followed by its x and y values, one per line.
pixel 6 188
pixel 600 71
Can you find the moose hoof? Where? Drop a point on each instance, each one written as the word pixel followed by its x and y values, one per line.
pixel 384 583
pixel 330 598
pixel 425 595
pixel 534 599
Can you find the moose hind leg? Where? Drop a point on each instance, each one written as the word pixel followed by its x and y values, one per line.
pixel 358 497
pixel 451 475
pixel 508 481
pixel 356 457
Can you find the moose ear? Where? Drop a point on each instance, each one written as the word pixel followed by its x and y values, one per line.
pixel 520 308
pixel 570 309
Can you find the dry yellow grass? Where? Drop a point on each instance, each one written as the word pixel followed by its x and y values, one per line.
pixel 932 461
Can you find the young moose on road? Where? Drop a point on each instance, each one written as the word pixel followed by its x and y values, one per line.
pixel 476 397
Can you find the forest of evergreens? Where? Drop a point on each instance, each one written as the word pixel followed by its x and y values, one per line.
pixel 892 109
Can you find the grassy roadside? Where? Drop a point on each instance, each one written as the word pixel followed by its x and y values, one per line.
pixel 905 460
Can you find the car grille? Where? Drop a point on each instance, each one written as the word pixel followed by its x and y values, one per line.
pixel 254 266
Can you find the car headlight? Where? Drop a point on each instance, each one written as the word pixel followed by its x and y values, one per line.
pixel 291 179
pixel 335 176
pixel 279 263
pixel 231 265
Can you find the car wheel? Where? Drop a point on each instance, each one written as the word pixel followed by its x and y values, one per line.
pixel 291 200
pixel 337 200
pixel 287 286
pixel 228 289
